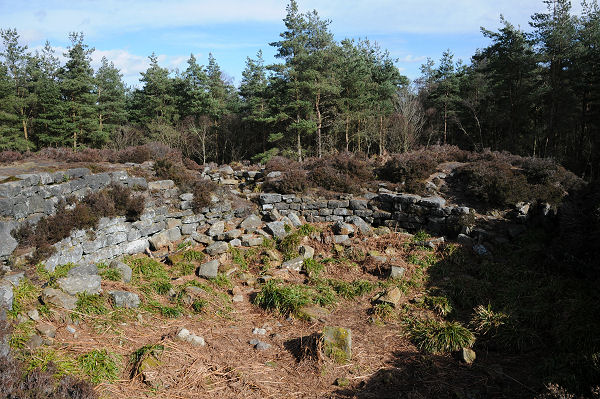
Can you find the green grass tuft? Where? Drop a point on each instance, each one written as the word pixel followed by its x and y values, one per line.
pixel 90 304
pixel 286 299
pixel 433 336
pixel 100 365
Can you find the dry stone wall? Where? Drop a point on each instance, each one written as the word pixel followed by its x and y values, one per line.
pixel 168 216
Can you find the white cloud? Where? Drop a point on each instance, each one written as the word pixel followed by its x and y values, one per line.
pixel 55 18
pixel 412 58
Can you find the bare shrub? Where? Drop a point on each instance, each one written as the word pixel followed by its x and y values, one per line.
pixel 203 189
pixel 10 156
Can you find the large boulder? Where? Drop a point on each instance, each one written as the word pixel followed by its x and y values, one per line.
pixel 337 343
pixel 7 241
pixel 6 295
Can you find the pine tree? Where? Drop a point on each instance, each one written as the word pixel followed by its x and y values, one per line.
pixel 77 85
pixel 20 101
pixel 51 109
pixel 110 99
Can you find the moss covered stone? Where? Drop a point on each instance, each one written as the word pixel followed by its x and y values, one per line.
pixel 337 343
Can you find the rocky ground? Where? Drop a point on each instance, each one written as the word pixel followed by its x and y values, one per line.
pixel 320 310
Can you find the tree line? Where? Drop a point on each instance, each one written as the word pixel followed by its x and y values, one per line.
pixel 531 93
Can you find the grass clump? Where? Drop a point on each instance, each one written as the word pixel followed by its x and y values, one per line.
pixel 485 321
pixel 24 297
pixel 50 360
pixel 433 336
pixel 383 313
pixel 110 274
pixel 100 365
pixel 191 255
pixel 439 304
pixel 21 334
pixel 289 245
pixel 170 312
pixel 285 299
pixel 90 304
pixel 313 268
pixel 350 290
pixel 222 281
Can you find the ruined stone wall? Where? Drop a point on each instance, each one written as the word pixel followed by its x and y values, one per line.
pixel 168 216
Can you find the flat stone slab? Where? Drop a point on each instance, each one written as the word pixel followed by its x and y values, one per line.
pixel 294 264
pixel 217 248
pixel 83 270
pixel 59 298
pixel 78 284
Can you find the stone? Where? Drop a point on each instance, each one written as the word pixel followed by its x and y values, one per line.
pixel 47 330
pixel 7 241
pixel 464 240
pixel 202 238
pixel 209 269
pixel 277 229
pixel 259 331
pixel 232 234
pixel 467 355
pixel 58 298
pixel 433 202
pixel 382 230
pixel 269 198
pixel 342 228
pixel 251 241
pixel 71 329
pixel 217 248
pixel 313 313
pixel 359 222
pixel 480 250
pixel 216 229
pixel 83 270
pixel 306 251
pixel 236 242
pixel 226 170
pixel 397 272
pixel 6 295
pixel 337 343
pixel 161 185
pixel 15 278
pixel 186 197
pixel 123 269
pixel 273 175
pixel 391 297
pixel 259 345
pixel 294 219
pixel 341 239
pixel 294 264
pixel 136 247
pixel 184 335
pixel 124 299
pixel 251 223
pixel 189 229
pixel 78 284
pixel 34 315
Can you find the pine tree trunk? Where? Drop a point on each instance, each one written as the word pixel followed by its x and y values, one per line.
pixel 319 125
pixel 381 141
pixel 298 135
pixel 347 129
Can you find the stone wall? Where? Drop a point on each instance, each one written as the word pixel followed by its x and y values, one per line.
pixel 168 216
pixel 399 211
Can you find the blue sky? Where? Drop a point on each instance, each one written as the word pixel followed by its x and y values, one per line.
pixel 127 31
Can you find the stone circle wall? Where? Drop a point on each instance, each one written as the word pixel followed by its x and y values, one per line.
pixel 168 216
